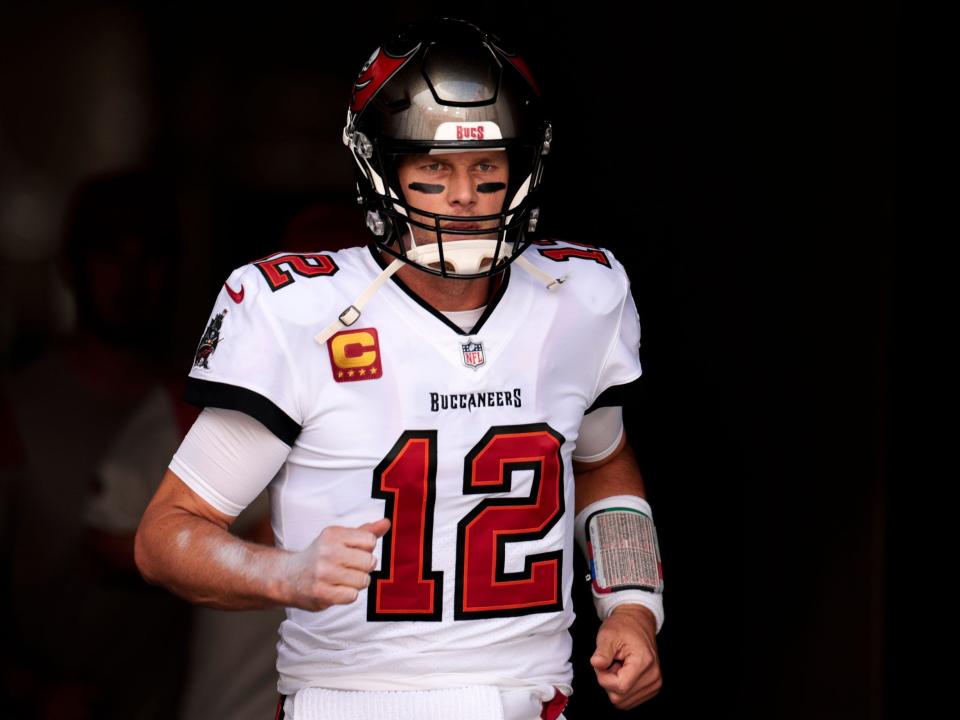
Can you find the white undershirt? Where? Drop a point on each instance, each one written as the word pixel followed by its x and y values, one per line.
pixel 464 319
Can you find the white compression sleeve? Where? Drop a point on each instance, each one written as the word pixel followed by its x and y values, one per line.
pixel 600 433
pixel 227 458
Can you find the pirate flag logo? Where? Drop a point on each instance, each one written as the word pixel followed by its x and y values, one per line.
pixel 208 343
pixel 380 67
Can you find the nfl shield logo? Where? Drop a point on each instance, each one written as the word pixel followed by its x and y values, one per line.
pixel 472 354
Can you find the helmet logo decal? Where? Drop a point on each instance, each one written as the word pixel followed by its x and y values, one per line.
pixel 481 130
pixel 521 65
pixel 375 72
pixel 491 187
pixel 473 354
pixel 427 188
pixel 355 355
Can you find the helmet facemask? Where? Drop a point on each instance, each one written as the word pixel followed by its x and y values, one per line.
pixel 426 239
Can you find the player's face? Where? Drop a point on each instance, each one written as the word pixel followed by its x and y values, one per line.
pixel 463 184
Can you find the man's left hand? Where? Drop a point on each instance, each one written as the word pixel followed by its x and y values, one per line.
pixel 626 660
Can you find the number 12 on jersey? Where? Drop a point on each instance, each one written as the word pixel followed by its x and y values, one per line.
pixel 407 588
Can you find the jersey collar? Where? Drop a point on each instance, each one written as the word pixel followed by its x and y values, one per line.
pixel 491 305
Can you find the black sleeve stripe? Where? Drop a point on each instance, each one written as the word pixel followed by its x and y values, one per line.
pixel 617 395
pixel 205 393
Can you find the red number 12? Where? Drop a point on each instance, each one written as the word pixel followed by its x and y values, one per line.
pixel 405 588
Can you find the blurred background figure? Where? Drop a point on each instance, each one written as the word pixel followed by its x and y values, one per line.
pixel 68 398
pixel 76 102
pixel 231 669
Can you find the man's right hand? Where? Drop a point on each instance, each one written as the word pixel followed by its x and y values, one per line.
pixel 335 567
pixel 184 544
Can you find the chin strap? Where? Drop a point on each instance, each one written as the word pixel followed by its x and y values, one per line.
pixel 551 282
pixel 352 312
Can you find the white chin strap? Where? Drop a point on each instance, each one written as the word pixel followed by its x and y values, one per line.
pixel 352 313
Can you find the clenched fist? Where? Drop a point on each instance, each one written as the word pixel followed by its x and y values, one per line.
pixel 335 567
pixel 626 660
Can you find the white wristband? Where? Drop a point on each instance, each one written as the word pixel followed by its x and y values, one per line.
pixel 636 563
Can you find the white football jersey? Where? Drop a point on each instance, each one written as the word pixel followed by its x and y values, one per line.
pixel 463 440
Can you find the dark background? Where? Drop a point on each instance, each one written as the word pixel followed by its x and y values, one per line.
pixel 739 160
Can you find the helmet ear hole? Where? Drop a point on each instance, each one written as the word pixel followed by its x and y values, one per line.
pixel 375 223
pixel 532 221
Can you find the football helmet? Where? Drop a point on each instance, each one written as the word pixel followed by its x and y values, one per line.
pixel 447 86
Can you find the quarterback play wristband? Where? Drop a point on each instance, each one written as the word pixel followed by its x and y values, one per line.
pixel 619 540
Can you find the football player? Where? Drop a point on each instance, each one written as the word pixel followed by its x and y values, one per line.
pixel 437 418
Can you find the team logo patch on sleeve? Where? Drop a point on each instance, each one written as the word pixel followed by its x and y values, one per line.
pixel 355 355
pixel 209 342
pixel 473 354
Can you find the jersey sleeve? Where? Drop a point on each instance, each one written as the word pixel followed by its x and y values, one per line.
pixel 243 361
pixel 621 365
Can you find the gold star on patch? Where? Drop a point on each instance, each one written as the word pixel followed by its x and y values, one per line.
pixel 350 373
pixel 373 371
pixel 362 372
pixel 340 374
